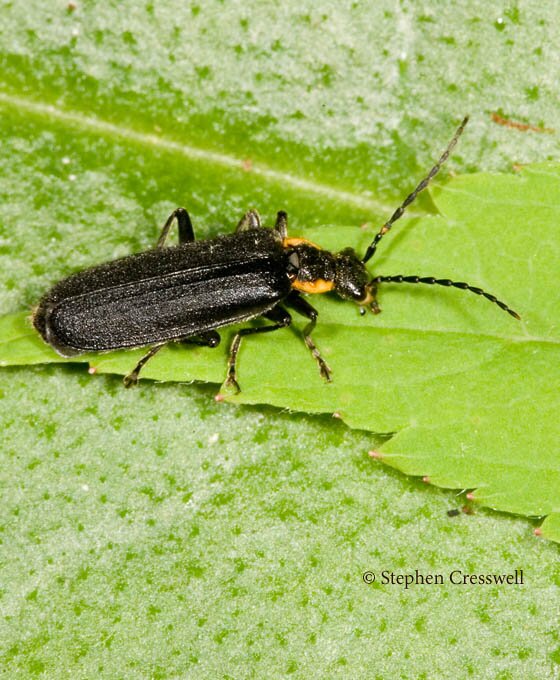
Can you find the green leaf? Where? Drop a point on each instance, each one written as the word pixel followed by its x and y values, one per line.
pixel 453 378
pixel 156 533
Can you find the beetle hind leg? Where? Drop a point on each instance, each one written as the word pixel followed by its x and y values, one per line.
pixel 207 339
pixel 186 231
pixel 132 378
pixel 282 318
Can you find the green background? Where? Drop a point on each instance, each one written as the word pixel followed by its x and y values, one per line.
pixel 153 532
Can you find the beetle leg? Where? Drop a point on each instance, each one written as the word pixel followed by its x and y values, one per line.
pixel 281 224
pixel 208 339
pixel 250 220
pixel 278 314
pixel 132 378
pixel 303 307
pixel 186 232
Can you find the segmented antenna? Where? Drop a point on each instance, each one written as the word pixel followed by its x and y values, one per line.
pixel 410 198
pixel 446 282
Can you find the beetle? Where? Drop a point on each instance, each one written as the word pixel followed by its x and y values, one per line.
pixel 184 293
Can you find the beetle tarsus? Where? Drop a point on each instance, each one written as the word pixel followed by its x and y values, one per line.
pixel 281 224
pixel 324 368
pixel 250 220
pixel 231 382
pixel 131 379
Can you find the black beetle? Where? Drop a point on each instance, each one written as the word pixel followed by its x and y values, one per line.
pixel 184 293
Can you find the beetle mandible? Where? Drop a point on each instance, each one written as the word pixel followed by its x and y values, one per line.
pixel 185 293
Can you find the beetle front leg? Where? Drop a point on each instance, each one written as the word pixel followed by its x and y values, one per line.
pixel 282 318
pixel 301 305
pixel 186 231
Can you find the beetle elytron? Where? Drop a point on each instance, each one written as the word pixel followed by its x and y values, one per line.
pixel 184 293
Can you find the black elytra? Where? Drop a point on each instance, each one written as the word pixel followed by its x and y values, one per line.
pixel 184 293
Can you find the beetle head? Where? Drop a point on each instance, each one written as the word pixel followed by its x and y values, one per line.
pixel 352 281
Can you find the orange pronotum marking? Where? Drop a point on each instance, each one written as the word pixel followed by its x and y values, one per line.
pixel 317 286
pixel 287 242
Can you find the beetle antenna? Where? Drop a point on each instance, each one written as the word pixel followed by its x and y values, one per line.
pixel 410 198
pixel 446 282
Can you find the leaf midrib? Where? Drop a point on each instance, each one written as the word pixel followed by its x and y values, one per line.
pixel 161 142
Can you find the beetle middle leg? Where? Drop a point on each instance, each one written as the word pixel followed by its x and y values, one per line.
pixel 303 307
pixel 281 224
pixel 250 220
pixel 282 318
pixel 208 339
pixel 186 231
